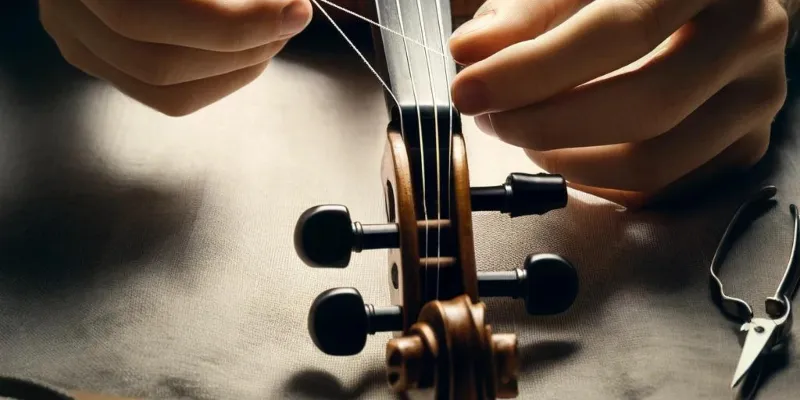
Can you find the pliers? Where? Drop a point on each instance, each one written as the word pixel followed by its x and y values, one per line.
pixel 761 335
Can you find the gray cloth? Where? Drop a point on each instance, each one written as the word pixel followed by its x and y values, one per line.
pixel 147 256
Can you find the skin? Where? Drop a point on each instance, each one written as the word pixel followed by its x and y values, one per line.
pixel 627 99
pixel 178 56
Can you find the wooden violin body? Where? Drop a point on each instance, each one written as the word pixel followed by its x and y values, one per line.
pixel 442 346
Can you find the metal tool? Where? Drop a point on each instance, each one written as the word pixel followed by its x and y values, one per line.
pixel 761 335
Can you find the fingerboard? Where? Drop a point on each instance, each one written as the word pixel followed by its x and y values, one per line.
pixel 420 80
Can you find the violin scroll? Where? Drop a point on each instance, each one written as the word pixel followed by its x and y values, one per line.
pixel 452 342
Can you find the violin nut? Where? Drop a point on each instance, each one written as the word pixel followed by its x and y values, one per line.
pixel 504 351
pixel 408 362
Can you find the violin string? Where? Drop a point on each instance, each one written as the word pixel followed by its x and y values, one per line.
pixel 419 130
pixel 437 158
pixel 363 58
pixel 428 50
pixel 384 28
pixel 440 22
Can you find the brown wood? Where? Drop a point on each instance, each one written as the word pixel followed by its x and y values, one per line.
pixel 405 264
pixel 405 258
pixel 505 354
pixel 433 224
pixel 451 354
pixel 462 218
pixel 438 262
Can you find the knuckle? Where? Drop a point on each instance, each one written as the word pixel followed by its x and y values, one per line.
pixel 72 55
pixel 515 129
pixel 49 23
pixel 750 149
pixel 777 96
pixel 547 161
pixel 178 109
pixel 757 148
pixel 767 31
pixel 771 91
pixel 173 104
pixel 120 19
pixel 546 11
pixel 180 100
pixel 160 70
pixel 643 19
pixel 776 25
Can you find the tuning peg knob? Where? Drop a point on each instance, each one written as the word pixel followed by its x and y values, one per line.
pixel 548 283
pixel 522 194
pixel 339 321
pixel 325 236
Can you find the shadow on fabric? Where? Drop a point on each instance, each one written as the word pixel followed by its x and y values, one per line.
pixel 62 215
pixel 316 384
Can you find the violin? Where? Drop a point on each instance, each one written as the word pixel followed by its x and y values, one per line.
pixel 442 345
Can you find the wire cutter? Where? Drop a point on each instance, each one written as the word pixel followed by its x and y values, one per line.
pixel 761 335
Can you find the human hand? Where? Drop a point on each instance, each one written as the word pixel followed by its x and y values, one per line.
pixel 626 99
pixel 174 56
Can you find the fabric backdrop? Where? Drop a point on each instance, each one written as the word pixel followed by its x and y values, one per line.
pixel 149 256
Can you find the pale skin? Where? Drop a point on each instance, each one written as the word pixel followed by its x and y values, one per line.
pixel 627 99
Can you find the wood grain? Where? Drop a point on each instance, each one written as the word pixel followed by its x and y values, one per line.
pixel 404 261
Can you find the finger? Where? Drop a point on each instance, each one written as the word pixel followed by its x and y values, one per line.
pixel 501 23
pixel 651 165
pixel 647 100
pixel 174 100
pixel 604 36
pixel 737 158
pixel 153 63
pixel 215 25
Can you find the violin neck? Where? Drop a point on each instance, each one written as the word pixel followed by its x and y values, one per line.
pixel 419 78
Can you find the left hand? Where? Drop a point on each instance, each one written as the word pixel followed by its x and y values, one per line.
pixel 626 98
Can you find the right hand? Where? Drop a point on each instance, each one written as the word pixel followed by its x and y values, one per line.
pixel 175 56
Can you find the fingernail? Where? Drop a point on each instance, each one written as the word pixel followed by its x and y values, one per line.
pixel 294 18
pixel 470 97
pixel 484 123
pixel 475 24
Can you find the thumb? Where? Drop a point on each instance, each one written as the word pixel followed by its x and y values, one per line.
pixel 500 23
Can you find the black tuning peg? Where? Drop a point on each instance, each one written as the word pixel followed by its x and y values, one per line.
pixel 522 194
pixel 547 283
pixel 325 236
pixel 339 321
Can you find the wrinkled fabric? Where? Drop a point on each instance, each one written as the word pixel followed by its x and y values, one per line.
pixel 149 256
